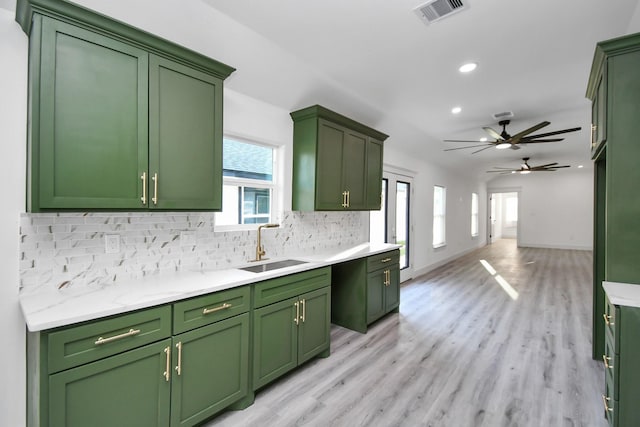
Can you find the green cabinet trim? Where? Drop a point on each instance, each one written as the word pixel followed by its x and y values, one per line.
pixel 337 162
pixel 274 290
pixel 201 311
pixel 80 16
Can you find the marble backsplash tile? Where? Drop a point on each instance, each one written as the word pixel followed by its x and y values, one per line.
pixel 68 248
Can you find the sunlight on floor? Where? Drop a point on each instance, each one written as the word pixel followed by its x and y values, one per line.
pixel 513 294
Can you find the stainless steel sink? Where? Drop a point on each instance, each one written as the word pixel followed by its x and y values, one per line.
pixel 260 268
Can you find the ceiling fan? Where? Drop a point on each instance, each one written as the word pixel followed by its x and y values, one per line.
pixel 504 140
pixel 526 168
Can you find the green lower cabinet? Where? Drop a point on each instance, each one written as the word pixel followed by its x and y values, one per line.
pixel 210 369
pixel 129 389
pixel 290 332
pixel 364 290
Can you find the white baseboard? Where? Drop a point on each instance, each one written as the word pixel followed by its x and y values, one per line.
pixel 542 246
pixel 424 270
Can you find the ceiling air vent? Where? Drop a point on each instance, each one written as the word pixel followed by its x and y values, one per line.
pixel 436 10
pixel 502 116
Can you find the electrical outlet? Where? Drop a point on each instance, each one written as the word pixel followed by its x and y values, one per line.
pixel 187 238
pixel 111 243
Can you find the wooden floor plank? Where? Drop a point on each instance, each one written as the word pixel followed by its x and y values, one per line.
pixel 461 352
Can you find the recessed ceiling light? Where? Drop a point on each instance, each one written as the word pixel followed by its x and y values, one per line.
pixel 456 110
pixel 503 145
pixel 580 166
pixel 525 172
pixel 468 67
pixel 483 139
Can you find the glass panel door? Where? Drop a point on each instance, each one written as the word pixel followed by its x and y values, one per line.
pixel 392 223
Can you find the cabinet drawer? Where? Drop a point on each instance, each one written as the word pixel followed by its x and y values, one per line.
pixel 210 308
pixel 609 403
pixel 383 260
pixel 612 363
pixel 77 345
pixel 612 324
pixel 274 290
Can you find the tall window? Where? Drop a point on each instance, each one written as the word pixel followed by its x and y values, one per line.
pixel 474 214
pixel 439 202
pixel 248 185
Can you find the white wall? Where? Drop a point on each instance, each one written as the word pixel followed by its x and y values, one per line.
pixel 458 210
pixel 556 209
pixel 13 120
pixel 634 24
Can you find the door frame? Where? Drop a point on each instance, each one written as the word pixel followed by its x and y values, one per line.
pixel 501 190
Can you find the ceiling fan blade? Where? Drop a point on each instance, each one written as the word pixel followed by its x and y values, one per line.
pixel 493 133
pixel 557 132
pixel 545 166
pixel 462 148
pixel 466 140
pixel 482 149
pixel 530 141
pixel 558 167
pixel 505 171
pixel 518 136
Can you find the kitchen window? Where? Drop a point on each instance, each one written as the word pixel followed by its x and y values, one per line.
pixel 439 202
pixel 474 214
pixel 249 187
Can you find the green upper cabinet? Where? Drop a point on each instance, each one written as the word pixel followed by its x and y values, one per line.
pixel 337 162
pixel 119 119
pixel 185 137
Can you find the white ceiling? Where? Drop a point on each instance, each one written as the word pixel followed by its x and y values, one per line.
pixel 375 61
pixel 534 59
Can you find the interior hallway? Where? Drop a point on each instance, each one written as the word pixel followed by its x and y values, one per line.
pixel 463 351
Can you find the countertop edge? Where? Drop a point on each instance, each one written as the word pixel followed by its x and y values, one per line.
pixel 624 294
pixel 44 310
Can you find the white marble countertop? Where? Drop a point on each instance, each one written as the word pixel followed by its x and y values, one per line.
pixel 626 294
pixel 60 307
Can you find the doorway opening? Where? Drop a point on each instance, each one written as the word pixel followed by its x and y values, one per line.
pixel 503 216
pixel 392 223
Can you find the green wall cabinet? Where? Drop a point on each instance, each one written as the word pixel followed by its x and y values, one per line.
pixel 119 119
pixel 614 89
pixel 364 290
pixel 621 355
pixel 337 162
pixel 292 321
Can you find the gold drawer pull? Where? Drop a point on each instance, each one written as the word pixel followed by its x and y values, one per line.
pixel 144 188
pixel 179 365
pixel 297 318
pixel 607 320
pixel 386 260
pixel 154 199
pixel 605 399
pixel 213 310
pixel 606 360
pixel 131 333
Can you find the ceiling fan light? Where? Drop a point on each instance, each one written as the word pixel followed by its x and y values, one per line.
pixel 468 67
pixel 483 139
pixel 503 145
pixel 525 172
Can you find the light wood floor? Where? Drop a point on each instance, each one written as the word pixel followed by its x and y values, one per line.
pixel 460 353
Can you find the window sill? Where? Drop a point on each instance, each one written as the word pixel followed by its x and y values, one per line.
pixel 441 245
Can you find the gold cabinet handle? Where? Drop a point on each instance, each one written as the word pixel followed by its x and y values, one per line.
pixel 348 198
pixel 607 320
pixel 154 199
pixel 179 365
pixel 385 260
pixel 131 333
pixel 143 177
pixel 344 199
pixel 295 319
pixel 214 309
pixel 304 309
pixel 167 352
pixel 594 134
pixel 606 360
pixel 606 399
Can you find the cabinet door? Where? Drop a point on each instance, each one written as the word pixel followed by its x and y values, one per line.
pixel 329 166
pixel 392 290
pixel 275 341
pixel 599 113
pixel 354 164
pixel 314 324
pixel 374 174
pixel 129 389
pixel 90 149
pixel 375 295
pixel 210 369
pixel 185 137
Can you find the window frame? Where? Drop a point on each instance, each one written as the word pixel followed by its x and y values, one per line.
pixel 272 185
pixel 475 223
pixel 442 215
